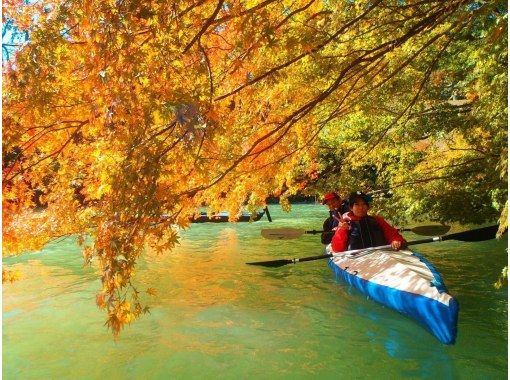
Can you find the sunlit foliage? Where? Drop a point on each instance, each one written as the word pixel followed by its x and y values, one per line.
pixel 436 135
pixel 119 112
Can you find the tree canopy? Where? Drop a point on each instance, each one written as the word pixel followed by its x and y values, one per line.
pixel 118 112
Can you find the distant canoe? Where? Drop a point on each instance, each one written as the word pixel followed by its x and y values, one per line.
pixel 222 217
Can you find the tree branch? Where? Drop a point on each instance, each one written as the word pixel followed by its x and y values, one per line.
pixel 204 27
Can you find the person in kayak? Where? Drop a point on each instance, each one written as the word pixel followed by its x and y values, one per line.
pixel 359 230
pixel 337 207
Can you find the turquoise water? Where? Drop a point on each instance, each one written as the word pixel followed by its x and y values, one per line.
pixel 216 317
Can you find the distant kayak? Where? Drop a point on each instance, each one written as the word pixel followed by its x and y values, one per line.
pixel 404 281
pixel 222 217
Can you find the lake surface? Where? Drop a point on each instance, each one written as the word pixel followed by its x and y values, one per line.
pixel 216 317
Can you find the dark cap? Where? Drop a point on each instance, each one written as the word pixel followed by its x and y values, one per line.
pixel 359 195
pixel 330 196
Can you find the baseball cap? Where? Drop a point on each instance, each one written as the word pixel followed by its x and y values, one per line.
pixel 329 196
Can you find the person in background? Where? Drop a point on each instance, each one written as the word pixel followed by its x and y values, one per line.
pixel 337 206
pixel 359 230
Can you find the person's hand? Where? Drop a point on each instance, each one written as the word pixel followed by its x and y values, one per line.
pixel 396 244
pixel 343 225
pixel 337 217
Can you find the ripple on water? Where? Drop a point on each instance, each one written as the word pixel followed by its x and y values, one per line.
pixel 241 321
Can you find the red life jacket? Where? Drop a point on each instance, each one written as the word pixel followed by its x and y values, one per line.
pixel 365 233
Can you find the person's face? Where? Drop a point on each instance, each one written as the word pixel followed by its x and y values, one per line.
pixel 359 208
pixel 333 203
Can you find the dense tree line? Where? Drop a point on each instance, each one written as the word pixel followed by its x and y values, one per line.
pixel 117 112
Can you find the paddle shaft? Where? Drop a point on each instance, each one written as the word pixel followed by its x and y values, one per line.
pixel 281 262
pixel 266 210
pixel 294 233
pixel 351 252
pixel 479 234
pixel 313 232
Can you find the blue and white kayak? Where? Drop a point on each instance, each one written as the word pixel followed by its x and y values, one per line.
pixel 404 281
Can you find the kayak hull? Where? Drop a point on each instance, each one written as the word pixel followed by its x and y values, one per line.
pixel 403 281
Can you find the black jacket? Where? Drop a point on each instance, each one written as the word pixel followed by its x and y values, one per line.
pixel 331 222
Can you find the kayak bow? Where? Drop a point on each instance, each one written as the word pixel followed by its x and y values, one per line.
pixel 404 281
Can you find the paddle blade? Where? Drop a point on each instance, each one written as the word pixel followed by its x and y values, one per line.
pixel 272 263
pixel 480 234
pixel 435 230
pixel 281 233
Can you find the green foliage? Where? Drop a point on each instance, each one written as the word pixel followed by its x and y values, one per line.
pixel 436 133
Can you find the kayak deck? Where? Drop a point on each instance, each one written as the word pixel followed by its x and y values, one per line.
pixel 404 281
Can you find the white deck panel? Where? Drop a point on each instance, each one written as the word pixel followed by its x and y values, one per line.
pixel 395 269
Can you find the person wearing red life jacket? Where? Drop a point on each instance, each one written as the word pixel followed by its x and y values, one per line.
pixel 359 230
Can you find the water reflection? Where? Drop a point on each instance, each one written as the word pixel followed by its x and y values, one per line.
pixel 240 321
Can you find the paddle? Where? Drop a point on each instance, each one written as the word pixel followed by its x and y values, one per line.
pixel 432 230
pixel 294 233
pixel 479 234
pixel 266 210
